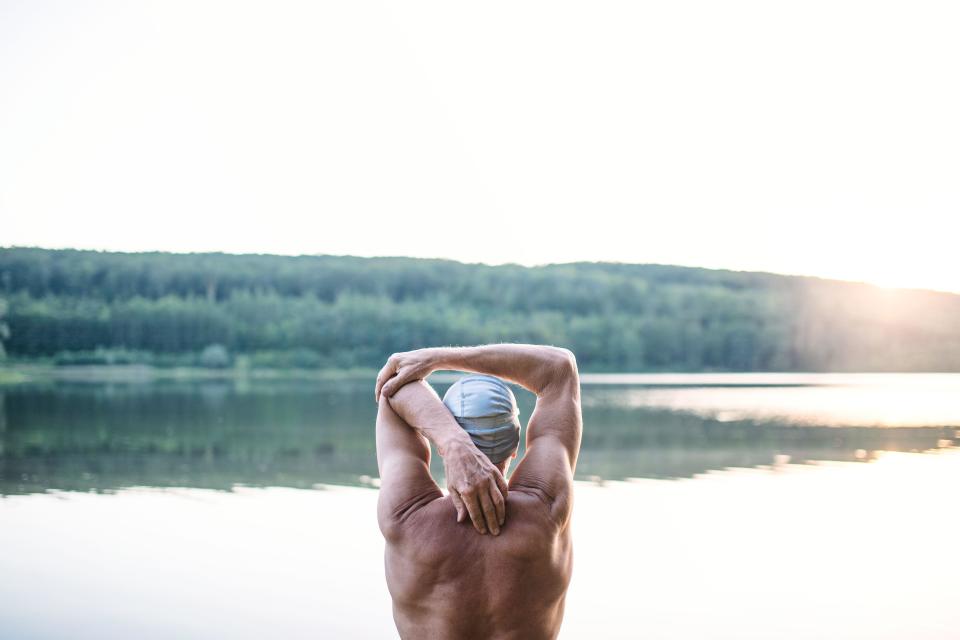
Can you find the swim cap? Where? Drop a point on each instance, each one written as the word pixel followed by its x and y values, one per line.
pixel 485 407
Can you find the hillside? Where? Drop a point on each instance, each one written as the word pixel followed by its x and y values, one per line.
pixel 330 311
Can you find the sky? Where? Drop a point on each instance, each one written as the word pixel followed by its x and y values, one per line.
pixel 814 138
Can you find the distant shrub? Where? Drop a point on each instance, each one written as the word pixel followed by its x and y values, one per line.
pixel 215 356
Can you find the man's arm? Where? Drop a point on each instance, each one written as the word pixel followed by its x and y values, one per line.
pixel 536 368
pixel 476 486
pixel 403 457
pixel 554 429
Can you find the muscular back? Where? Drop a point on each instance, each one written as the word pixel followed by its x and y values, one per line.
pixel 449 582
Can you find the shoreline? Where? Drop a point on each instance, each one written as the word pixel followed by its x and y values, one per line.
pixel 25 373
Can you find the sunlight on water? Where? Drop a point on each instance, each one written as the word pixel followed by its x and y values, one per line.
pixel 812 399
pixel 836 550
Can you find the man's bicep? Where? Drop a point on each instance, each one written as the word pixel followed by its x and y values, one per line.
pixel 553 444
pixel 558 418
pixel 545 471
pixel 403 458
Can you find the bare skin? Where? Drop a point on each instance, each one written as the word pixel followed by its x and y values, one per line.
pixel 503 572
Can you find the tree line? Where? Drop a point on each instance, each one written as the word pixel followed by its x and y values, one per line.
pixel 342 311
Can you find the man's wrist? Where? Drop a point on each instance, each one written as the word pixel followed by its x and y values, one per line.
pixel 440 358
pixel 448 358
pixel 453 442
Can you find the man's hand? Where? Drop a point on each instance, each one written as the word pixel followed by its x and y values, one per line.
pixel 476 487
pixel 402 368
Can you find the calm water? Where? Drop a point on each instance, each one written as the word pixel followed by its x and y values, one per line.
pixel 733 506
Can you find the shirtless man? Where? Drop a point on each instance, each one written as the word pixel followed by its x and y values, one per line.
pixel 506 576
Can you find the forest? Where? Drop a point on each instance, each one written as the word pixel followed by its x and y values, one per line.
pixel 338 312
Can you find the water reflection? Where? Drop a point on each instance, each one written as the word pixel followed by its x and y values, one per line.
pixel 209 435
pixel 659 443
pixel 219 435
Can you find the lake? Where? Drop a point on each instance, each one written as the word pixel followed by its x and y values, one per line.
pixel 707 506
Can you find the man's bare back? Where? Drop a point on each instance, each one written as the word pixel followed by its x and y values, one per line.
pixel 506 576
pixel 448 582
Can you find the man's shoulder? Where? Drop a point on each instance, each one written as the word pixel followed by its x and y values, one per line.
pixel 395 519
pixel 547 504
pixel 546 473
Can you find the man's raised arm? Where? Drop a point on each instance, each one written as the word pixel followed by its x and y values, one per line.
pixel 549 372
pixel 555 427
pixel 538 368
pixel 475 485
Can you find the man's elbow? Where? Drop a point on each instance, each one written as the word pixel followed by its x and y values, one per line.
pixel 563 370
pixel 569 361
pixel 404 396
pixel 565 363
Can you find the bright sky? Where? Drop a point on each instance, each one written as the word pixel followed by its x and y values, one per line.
pixel 816 138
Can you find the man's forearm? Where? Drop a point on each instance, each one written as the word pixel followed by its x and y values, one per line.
pixel 418 404
pixel 534 367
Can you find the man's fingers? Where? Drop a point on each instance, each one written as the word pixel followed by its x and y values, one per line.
pixel 390 387
pixel 382 377
pixel 499 491
pixel 490 513
pixel 499 502
pixel 394 384
pixel 458 503
pixel 476 513
pixel 502 485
